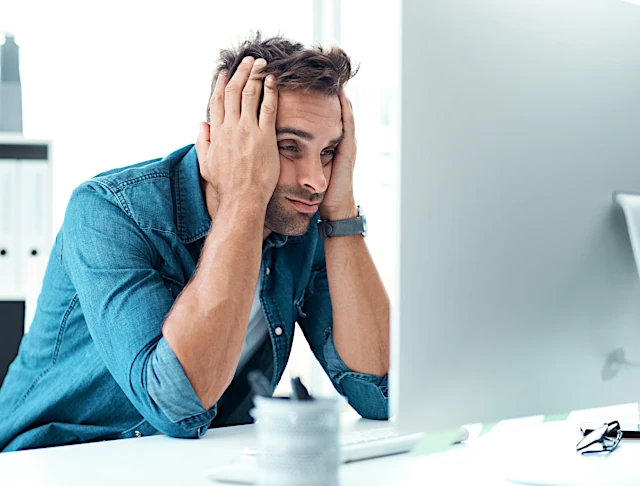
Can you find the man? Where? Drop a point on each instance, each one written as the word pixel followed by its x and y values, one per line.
pixel 171 279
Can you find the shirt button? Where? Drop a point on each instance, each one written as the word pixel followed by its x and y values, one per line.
pixel 138 434
pixel 278 331
pixel 268 271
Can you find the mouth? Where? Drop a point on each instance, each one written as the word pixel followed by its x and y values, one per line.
pixel 305 207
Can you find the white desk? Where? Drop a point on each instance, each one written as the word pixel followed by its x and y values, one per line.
pixel 161 460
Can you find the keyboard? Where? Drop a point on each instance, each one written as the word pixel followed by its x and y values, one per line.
pixel 358 445
pixel 355 445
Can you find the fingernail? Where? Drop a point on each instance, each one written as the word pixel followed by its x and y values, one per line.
pixel 260 62
pixel 271 80
pixel 247 59
pixel 222 73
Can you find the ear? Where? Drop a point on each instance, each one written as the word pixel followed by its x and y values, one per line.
pixel 203 141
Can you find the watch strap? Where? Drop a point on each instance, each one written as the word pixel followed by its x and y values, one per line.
pixel 346 227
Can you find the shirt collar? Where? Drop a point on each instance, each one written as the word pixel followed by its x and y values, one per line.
pixel 192 217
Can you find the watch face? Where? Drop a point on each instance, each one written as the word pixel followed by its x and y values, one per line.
pixel 365 228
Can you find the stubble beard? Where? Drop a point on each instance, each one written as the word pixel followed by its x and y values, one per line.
pixel 283 218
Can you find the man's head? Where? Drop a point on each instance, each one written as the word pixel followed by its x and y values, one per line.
pixel 308 123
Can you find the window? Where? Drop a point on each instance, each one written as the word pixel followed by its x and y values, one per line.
pixel 370 33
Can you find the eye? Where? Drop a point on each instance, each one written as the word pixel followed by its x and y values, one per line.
pixel 327 156
pixel 290 148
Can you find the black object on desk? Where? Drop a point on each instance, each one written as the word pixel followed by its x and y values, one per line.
pixel 299 392
pixel 11 331
pixel 629 431
pixel 604 439
pixel 262 388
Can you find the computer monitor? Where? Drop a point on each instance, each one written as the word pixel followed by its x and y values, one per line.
pixel 518 289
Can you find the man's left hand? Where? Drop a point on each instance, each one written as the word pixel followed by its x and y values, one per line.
pixel 338 202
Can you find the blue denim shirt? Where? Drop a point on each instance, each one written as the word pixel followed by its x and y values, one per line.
pixel 94 364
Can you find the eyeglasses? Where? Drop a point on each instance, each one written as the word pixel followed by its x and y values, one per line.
pixel 603 439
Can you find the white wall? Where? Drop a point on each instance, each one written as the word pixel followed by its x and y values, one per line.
pixel 114 83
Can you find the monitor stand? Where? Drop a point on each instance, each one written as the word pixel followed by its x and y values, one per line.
pixel 630 204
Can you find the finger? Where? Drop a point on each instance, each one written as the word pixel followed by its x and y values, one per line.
pixel 233 90
pixel 269 107
pixel 203 141
pixel 251 92
pixel 216 103
pixel 348 143
pixel 348 121
pixel 204 135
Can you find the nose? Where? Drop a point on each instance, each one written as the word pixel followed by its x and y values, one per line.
pixel 311 175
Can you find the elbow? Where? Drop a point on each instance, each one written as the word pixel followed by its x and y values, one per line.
pixel 184 420
pixel 375 410
pixel 183 431
pixel 208 381
pixel 210 397
pixel 172 405
pixel 367 394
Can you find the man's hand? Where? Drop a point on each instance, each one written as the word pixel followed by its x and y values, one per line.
pixel 359 302
pixel 239 161
pixel 338 202
pixel 238 151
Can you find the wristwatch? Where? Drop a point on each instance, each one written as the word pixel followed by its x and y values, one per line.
pixel 345 227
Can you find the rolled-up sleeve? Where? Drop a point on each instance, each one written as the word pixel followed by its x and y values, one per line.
pixel 170 388
pixel 113 268
pixel 367 394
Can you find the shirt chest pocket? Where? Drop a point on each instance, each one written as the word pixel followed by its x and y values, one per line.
pixel 173 286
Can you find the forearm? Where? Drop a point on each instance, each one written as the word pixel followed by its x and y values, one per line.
pixel 207 325
pixel 360 306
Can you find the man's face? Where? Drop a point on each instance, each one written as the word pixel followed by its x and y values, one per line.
pixel 308 130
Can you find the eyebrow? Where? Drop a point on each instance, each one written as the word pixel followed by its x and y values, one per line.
pixel 305 135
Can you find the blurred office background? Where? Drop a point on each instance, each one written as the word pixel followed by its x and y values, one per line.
pixel 115 83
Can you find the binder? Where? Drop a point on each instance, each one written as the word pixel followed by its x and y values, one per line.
pixel 35 224
pixel 25 218
pixel 10 273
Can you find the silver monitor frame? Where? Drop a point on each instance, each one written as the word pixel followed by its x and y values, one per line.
pixel 517 289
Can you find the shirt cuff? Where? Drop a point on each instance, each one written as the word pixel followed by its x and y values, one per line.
pixel 170 388
pixel 367 394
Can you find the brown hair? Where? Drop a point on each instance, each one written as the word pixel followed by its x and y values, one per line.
pixel 295 67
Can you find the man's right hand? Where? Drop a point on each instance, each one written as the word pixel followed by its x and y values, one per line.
pixel 239 159
pixel 238 151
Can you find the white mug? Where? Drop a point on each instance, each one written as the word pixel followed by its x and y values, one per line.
pixel 298 441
